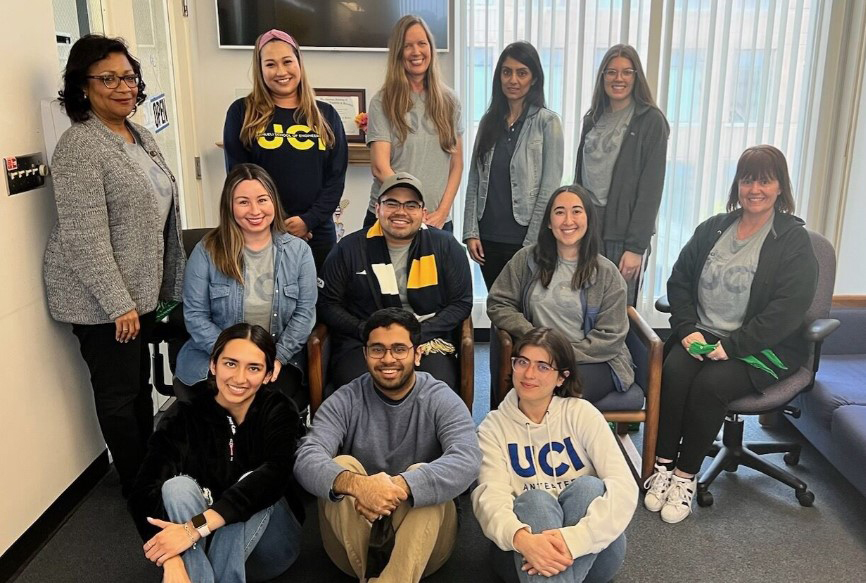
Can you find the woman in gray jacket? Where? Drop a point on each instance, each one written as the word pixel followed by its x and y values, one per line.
pixel 516 162
pixel 621 161
pixel 116 248
pixel 562 282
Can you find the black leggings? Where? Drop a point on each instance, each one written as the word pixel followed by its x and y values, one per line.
pixel 694 401
pixel 496 255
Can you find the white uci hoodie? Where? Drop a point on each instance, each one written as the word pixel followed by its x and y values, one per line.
pixel 572 440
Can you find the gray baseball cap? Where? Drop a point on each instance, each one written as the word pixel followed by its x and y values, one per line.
pixel 405 180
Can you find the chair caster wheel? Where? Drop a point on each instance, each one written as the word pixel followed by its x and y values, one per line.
pixel 732 467
pixel 706 499
pixel 805 498
pixel 792 458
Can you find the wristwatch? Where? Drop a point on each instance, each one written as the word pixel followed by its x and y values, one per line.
pixel 199 522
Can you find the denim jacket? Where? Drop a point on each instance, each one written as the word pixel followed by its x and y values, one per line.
pixel 213 301
pixel 536 171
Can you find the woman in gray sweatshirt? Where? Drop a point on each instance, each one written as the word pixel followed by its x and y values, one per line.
pixel 562 282
pixel 116 248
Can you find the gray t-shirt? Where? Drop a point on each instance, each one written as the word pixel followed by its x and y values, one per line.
pixel 558 306
pixel 399 256
pixel 259 286
pixel 726 280
pixel 160 181
pixel 420 155
pixel 601 149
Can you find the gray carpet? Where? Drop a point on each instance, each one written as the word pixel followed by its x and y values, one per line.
pixel 755 531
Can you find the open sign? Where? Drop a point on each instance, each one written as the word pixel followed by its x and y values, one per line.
pixel 160 112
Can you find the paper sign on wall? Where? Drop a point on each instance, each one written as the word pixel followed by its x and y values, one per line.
pixel 158 113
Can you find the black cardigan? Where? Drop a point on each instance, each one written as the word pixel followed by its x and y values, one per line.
pixel 193 439
pixel 782 290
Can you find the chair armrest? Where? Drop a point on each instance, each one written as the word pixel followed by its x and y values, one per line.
pixel 467 363
pixel 818 330
pixel 652 391
pixel 506 345
pixel 663 305
pixel 316 365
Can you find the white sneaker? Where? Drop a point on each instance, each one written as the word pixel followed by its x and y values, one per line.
pixel 679 502
pixel 657 488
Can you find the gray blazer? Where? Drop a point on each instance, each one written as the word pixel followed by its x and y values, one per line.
pixel 109 252
pixel 536 171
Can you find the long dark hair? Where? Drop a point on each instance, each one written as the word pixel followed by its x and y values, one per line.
pixel 763 162
pixel 493 123
pixel 545 253
pixel 252 332
pixel 640 92
pixel 87 50
pixel 561 357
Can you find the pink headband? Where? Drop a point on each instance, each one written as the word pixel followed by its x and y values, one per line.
pixel 275 34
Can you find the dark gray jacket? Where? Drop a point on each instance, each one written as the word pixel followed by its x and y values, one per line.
pixel 109 251
pixel 637 180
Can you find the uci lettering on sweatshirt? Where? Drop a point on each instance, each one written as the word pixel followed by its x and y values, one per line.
pixel 298 136
pixel 525 465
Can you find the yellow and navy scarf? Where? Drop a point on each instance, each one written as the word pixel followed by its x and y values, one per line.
pixel 422 284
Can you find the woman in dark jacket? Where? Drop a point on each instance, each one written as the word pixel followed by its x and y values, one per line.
pixel 739 289
pixel 621 160
pixel 221 466
pixel 116 248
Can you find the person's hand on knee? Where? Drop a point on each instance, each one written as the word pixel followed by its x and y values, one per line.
pixel 544 554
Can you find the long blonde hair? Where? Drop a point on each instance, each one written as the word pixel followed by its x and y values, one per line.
pixel 259 105
pixel 225 243
pixel 397 92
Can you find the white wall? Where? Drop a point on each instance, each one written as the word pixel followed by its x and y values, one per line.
pixel 220 73
pixel 49 431
pixel 850 275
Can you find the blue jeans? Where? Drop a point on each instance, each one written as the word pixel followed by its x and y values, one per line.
pixel 541 511
pixel 259 549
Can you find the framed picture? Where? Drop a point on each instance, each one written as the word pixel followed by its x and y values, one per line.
pixel 348 103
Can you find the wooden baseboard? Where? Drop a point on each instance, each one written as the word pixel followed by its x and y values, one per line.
pixel 40 532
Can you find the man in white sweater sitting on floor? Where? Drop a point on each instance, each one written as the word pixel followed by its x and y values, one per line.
pixel 387 455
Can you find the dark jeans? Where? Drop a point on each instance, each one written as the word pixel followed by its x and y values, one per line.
pixel 324 239
pixel 352 364
pixel 496 255
pixel 120 377
pixel 695 397
pixel 596 381
pixel 370 218
pixel 613 250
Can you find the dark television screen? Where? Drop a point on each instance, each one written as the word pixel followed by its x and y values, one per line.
pixel 327 24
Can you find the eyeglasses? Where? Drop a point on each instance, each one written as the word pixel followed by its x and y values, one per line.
pixel 398 351
pixel 520 363
pixel 611 74
pixel 392 205
pixel 113 81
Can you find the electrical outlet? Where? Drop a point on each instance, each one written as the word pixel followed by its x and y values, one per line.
pixel 25 173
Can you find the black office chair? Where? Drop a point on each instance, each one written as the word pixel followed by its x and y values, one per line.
pixel 171 330
pixel 731 452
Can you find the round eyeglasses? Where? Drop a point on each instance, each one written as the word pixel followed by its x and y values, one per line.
pixel 611 74
pixel 521 363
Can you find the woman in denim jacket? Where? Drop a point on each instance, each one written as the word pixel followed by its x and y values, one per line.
pixel 249 269
pixel 516 163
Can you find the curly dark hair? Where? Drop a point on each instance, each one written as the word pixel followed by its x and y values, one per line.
pixel 87 50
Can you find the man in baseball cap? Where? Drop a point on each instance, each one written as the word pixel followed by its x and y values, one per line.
pixel 397 262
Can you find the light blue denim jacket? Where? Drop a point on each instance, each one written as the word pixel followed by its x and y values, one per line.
pixel 213 301
pixel 536 171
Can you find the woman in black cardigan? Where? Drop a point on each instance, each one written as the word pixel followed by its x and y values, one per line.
pixel 739 289
pixel 221 467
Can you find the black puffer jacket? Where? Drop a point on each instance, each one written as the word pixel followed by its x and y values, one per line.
pixel 193 439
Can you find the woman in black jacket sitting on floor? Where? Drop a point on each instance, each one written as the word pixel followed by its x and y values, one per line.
pixel 221 465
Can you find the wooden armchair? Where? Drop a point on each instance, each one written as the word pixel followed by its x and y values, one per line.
pixel 319 353
pixel 646 351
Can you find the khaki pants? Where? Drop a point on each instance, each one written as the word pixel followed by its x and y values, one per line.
pixel 424 537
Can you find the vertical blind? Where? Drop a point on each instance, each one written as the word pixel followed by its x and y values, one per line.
pixel 732 73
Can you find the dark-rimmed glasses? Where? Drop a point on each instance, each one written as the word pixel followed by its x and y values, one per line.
pixel 113 81
pixel 412 206
pixel 398 351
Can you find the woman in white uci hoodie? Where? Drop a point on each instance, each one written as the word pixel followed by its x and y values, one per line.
pixel 553 487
